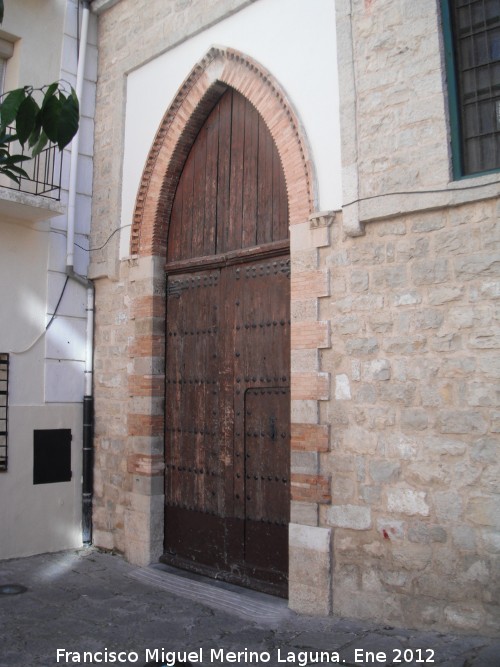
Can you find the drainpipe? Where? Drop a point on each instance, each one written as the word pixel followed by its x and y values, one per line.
pixel 88 399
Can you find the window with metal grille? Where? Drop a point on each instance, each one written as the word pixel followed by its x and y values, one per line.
pixel 4 388
pixel 472 42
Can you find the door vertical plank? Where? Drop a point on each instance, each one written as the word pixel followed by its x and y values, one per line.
pixel 250 173
pixel 236 174
pixel 187 183
pixel 212 159
pixel 199 193
pixel 280 200
pixel 223 172
pixel 265 186
pixel 174 247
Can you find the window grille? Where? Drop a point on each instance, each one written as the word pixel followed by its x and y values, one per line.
pixel 44 171
pixel 475 52
pixel 4 382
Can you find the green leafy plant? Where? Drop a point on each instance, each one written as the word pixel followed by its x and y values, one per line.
pixel 24 120
pixel 55 118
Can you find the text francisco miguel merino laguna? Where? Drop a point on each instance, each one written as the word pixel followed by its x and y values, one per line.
pixel 183 658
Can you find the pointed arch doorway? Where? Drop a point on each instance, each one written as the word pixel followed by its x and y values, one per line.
pixel 227 414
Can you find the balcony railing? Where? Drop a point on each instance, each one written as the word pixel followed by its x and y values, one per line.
pixel 44 172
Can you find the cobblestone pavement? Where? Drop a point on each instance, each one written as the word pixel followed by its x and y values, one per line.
pixel 87 601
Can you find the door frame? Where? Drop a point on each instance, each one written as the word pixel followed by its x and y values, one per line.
pixel 208 80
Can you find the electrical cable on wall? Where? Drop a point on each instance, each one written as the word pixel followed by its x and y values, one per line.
pixel 422 192
pixel 54 314
pixel 355 201
pixel 115 231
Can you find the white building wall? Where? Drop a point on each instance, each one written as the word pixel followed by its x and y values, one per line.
pixel 24 249
pixel 27 23
pixel 65 340
pixel 285 40
pixel 46 367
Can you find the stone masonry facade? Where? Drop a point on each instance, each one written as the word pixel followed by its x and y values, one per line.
pixel 413 415
pixel 395 417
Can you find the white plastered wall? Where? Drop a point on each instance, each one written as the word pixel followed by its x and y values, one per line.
pixel 292 40
pixel 42 517
pixel 45 381
pixel 20 19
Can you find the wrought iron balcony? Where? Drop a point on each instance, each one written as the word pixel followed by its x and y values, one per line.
pixel 44 172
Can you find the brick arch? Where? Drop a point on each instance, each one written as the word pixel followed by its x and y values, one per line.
pixel 220 68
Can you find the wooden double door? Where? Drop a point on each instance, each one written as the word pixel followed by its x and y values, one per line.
pixel 227 439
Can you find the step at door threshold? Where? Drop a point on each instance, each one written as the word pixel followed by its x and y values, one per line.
pixel 251 605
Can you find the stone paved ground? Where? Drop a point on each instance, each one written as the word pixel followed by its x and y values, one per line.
pixel 87 601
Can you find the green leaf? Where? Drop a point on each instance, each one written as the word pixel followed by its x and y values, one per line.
pixel 40 145
pixel 7 173
pixel 75 97
pixel 49 92
pixel 7 137
pixel 14 173
pixel 10 106
pixel 50 118
pixel 35 133
pixel 26 118
pixel 68 120
pixel 14 159
pixel 16 170
pixel 10 160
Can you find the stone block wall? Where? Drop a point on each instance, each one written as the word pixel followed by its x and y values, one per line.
pixel 414 418
pixel 394 132
pixel 129 408
pixel 111 360
pixel 413 311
